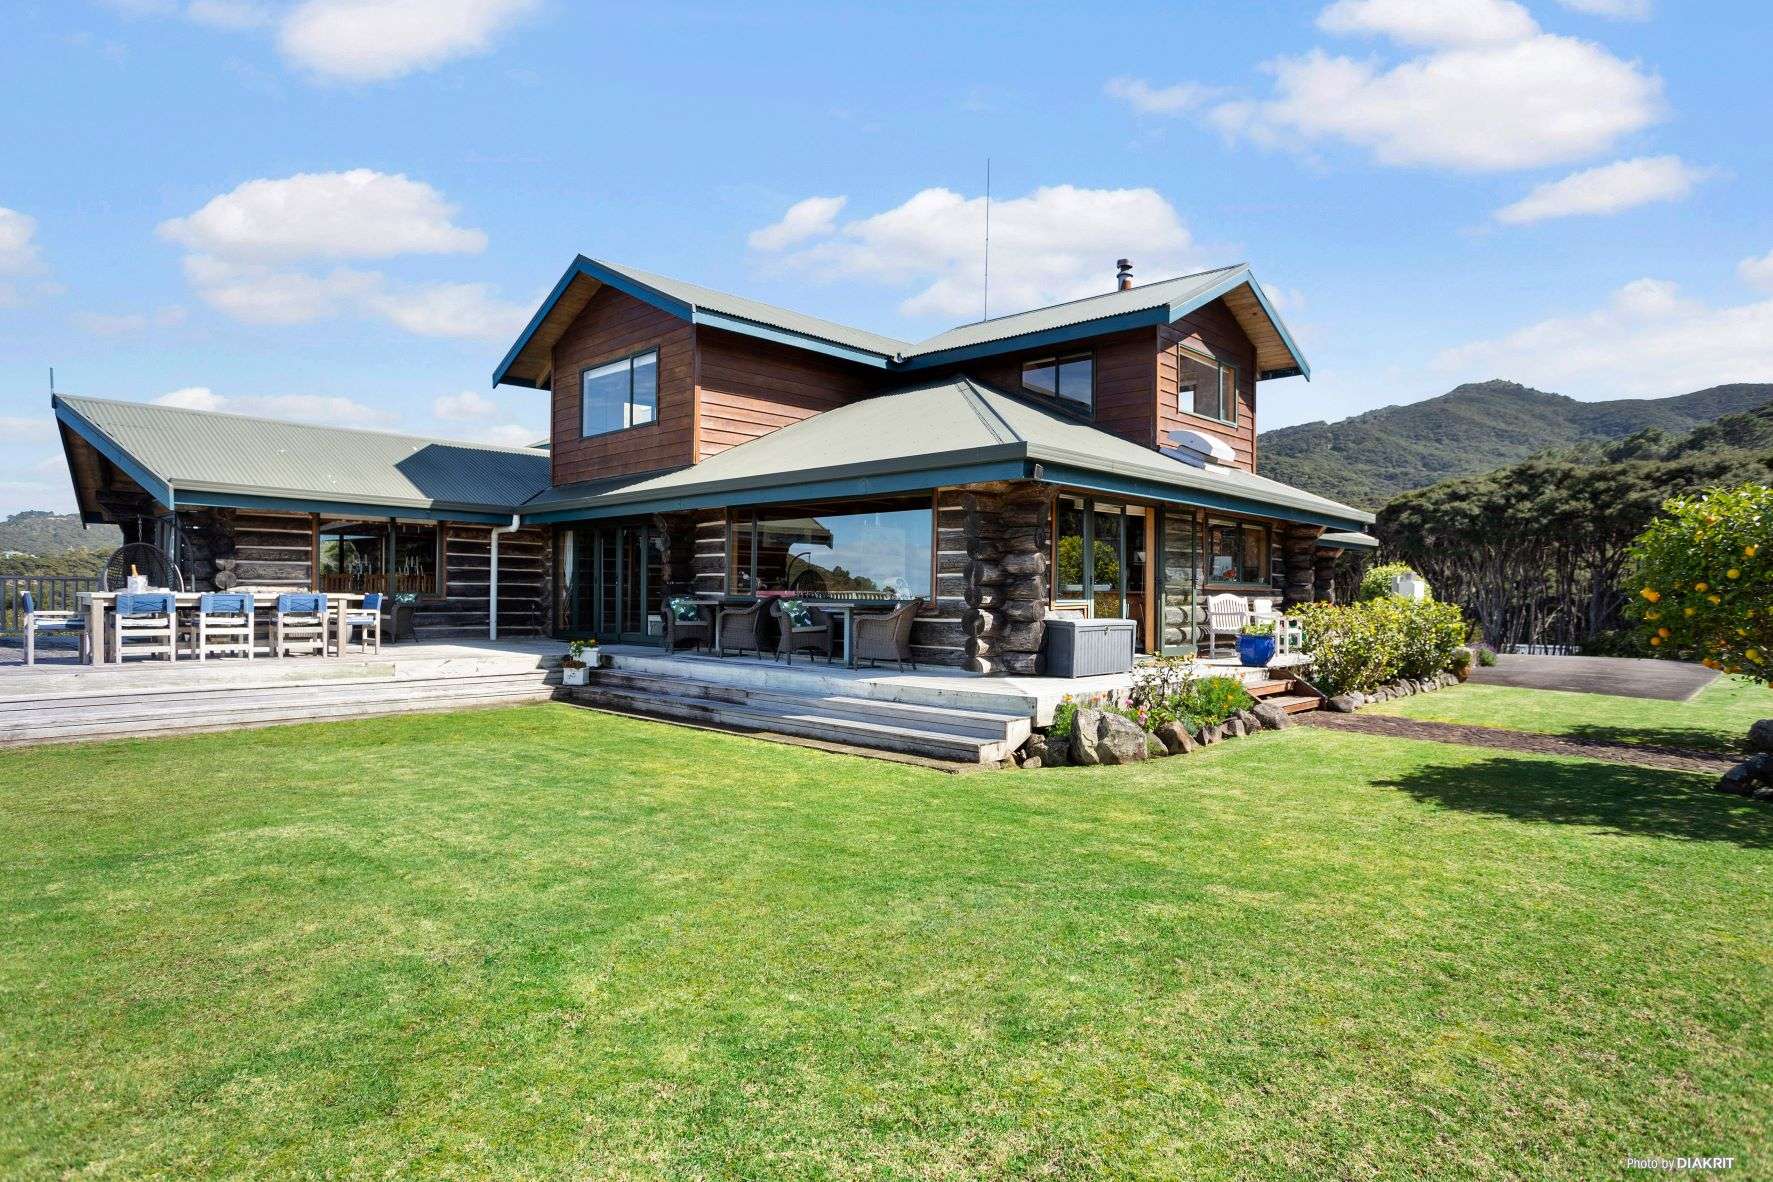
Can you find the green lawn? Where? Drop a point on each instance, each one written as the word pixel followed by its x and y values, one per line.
pixel 544 942
pixel 1717 718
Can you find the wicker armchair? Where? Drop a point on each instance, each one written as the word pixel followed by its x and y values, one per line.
pixel 887 637
pixel 812 636
pixel 695 627
pixel 741 628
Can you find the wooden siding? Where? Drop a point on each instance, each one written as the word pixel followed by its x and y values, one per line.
pixel 612 326
pixel 746 388
pixel 1125 379
pixel 1214 331
pixel 524 566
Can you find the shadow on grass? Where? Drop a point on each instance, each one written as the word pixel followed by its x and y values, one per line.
pixel 1619 798
pixel 1669 738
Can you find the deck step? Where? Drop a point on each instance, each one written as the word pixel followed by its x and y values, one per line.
pixel 1269 688
pixel 1295 703
pixel 933 732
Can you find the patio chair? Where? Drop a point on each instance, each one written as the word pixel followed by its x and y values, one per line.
pixel 887 637
pixel 368 617
pixel 224 623
pixel 800 627
pixel 301 622
pixel 741 628
pixel 401 609
pixel 687 623
pixel 36 621
pixel 1226 616
pixel 150 620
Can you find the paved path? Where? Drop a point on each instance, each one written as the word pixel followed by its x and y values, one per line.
pixel 1631 677
pixel 1673 758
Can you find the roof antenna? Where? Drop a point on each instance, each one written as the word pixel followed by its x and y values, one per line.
pixel 52 381
pixel 985 310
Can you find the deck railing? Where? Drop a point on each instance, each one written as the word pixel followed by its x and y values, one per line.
pixel 51 593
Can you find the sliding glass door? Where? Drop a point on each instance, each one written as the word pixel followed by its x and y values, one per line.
pixel 615 583
pixel 1099 561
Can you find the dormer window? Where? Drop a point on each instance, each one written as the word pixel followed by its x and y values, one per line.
pixel 1071 379
pixel 619 394
pixel 1205 386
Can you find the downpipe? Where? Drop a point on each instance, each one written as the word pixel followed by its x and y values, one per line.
pixel 492 591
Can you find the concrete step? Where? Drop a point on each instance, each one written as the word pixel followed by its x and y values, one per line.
pixel 960 736
pixel 984 724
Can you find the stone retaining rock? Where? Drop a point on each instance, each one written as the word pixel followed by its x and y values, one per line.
pixel 1751 777
pixel 1175 738
pixel 1345 703
pixel 1271 716
pixel 1760 735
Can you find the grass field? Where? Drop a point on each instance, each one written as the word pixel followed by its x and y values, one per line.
pixel 1717 718
pixel 542 942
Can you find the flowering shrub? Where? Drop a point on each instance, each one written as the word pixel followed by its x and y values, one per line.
pixel 1360 646
pixel 1167 690
pixel 1704 574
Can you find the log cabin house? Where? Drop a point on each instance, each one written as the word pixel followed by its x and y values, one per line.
pixel 1096 456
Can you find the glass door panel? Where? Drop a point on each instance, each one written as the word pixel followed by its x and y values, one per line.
pixel 1108 573
pixel 1133 572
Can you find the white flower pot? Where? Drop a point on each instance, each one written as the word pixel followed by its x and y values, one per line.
pixel 578 676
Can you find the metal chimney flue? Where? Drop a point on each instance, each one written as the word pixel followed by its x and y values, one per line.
pixel 1123 275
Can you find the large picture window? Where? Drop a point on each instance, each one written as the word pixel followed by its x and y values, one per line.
pixel 358 555
pixel 620 394
pixel 1205 387
pixel 1237 552
pixel 882 551
pixel 1070 379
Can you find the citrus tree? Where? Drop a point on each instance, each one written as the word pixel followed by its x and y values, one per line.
pixel 1704 578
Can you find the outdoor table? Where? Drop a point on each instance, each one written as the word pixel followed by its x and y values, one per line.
pixel 96 603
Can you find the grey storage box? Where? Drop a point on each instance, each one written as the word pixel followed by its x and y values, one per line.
pixel 1087 648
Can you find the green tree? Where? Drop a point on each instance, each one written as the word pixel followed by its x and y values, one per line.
pixel 1704 575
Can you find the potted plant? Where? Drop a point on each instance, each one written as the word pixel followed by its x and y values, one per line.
pixel 573 669
pixel 1255 644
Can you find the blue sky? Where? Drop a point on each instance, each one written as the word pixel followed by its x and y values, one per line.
pixel 340 209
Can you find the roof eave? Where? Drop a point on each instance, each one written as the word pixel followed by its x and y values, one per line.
pixel 1058 335
pixel 1239 277
pixel 153 483
pixel 583 268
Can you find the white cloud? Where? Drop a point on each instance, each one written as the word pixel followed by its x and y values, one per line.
pixel 253 250
pixel 375 40
pixel 1054 244
pixel 328 409
pixel 18 495
pixel 106 324
pixel 1158 100
pixel 229 14
pixel 464 310
pixel 1424 22
pixel 1628 10
pixel 1478 100
pixel 811 217
pixel 1608 189
pixel 1647 340
pixel 509 435
pixel 463 407
pixel 19 253
pixel 359 214
pixel 16 427
pixel 1757 271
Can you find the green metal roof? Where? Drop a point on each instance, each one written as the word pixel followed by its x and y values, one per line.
pixel 1148 304
pixel 202 457
pixel 947 432
pixel 1349 540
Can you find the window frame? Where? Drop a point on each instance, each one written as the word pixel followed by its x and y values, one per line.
pixel 628 403
pixel 1243 529
pixel 1223 368
pixel 1057 361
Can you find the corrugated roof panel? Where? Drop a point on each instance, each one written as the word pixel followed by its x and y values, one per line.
pixel 204 450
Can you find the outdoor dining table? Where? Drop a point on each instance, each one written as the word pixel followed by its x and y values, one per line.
pixel 96 603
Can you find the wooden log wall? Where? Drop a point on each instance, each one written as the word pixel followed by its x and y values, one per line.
pixel 525 572
pixel 1008 530
pixel 1299 543
pixel 228 548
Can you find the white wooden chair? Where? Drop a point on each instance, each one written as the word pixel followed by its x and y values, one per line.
pixel 145 625
pixel 35 621
pixel 368 617
pixel 301 623
pixel 224 624
pixel 1226 616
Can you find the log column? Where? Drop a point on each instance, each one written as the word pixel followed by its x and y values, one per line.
pixel 1300 546
pixel 1324 570
pixel 1008 536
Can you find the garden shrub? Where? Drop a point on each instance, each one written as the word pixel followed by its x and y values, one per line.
pixel 1064 719
pixel 1362 645
pixel 1167 690
pixel 1704 578
pixel 1376 583
pixel 1487 657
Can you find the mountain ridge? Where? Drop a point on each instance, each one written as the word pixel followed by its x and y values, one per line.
pixel 1368 458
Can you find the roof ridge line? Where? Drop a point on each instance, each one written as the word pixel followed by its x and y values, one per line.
pixel 974 394
pixel 1080 300
pixel 234 414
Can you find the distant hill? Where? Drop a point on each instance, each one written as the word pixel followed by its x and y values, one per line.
pixel 35 531
pixel 1370 458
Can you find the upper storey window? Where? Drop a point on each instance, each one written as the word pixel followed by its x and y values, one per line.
pixel 620 394
pixel 1071 378
pixel 1205 387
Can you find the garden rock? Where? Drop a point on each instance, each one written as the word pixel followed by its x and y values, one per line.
pixel 1086 729
pixel 1252 724
pixel 1271 716
pixel 1155 747
pixel 1760 735
pixel 1034 748
pixel 1749 777
pixel 1208 735
pixel 1344 703
pixel 1121 740
pixel 1233 728
pixel 1175 738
